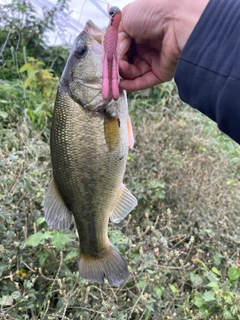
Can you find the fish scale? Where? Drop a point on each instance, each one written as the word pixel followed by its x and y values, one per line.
pixel 89 146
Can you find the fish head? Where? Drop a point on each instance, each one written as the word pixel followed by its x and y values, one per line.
pixel 82 75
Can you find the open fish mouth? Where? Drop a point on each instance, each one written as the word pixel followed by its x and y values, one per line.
pixel 96 36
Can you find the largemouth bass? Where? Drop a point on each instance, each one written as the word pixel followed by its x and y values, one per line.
pixel 89 145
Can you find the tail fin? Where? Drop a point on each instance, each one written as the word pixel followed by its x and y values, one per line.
pixel 109 265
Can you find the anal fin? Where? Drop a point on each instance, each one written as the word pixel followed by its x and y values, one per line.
pixel 125 203
pixel 56 213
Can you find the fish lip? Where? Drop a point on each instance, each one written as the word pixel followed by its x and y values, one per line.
pixel 93 31
pixel 95 34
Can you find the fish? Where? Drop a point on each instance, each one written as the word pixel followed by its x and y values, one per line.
pixel 89 142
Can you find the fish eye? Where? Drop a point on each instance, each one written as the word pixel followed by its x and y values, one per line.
pixel 81 50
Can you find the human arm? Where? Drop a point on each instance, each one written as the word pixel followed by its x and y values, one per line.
pixel 208 70
pixel 207 65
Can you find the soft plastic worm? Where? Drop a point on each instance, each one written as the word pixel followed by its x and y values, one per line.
pixel 110 56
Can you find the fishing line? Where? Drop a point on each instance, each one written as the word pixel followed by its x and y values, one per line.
pixel 96 4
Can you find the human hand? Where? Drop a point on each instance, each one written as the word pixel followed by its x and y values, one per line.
pixel 152 35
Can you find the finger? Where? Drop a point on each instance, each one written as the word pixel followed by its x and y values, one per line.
pixel 131 71
pixel 146 81
pixel 124 43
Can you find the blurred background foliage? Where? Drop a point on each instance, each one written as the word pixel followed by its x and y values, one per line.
pixel 182 241
pixel 22 35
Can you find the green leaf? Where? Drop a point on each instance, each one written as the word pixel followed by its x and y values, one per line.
pixel 228 297
pixel 42 257
pixel 60 238
pixel 173 288
pixel 71 255
pixel 141 284
pixel 196 279
pixel 6 301
pixel 231 181
pixel 214 285
pixel 40 220
pixel 233 273
pixel 3 114
pixel 208 296
pixel 217 258
pixel 149 304
pixel 25 67
pixel 199 302
pixel 159 291
pixel 28 81
pixel 31 293
pixel 151 271
pixel 3 101
pixel 215 270
pixel 15 295
pixel 40 63
pixel 227 315
pixel 27 284
pixel 37 238
pixel 118 238
pixel 211 276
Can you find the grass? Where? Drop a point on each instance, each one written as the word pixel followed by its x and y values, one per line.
pixel 181 243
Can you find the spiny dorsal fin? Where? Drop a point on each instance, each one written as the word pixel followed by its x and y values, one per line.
pixel 56 213
pixel 125 203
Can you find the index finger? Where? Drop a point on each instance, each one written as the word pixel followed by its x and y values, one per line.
pixel 145 81
pixel 124 43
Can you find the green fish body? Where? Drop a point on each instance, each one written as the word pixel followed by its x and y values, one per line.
pixel 89 145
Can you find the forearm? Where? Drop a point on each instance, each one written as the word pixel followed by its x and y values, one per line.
pixel 208 70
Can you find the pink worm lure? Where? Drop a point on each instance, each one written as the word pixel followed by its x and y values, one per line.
pixel 110 56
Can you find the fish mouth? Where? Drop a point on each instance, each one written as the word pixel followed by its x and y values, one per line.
pixel 89 84
pixel 96 35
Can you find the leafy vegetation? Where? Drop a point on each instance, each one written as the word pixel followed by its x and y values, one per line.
pixel 23 34
pixel 181 243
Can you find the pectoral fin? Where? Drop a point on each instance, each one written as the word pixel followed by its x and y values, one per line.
pixel 56 213
pixel 125 203
pixel 130 133
pixel 129 124
pixel 111 130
